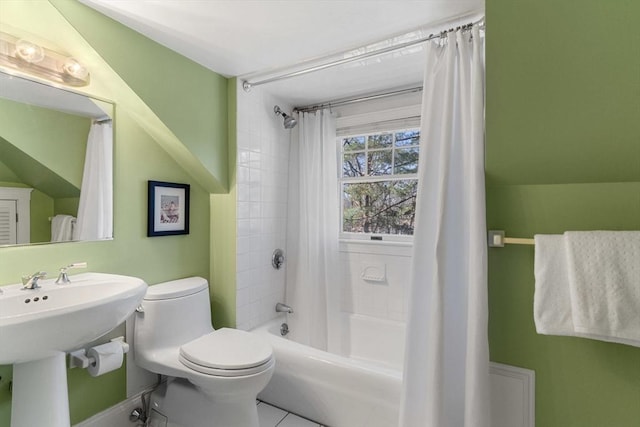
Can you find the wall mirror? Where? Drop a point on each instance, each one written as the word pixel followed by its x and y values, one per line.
pixel 48 193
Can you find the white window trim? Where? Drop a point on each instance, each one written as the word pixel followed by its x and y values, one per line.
pixel 355 124
pixel 403 249
pixel 372 238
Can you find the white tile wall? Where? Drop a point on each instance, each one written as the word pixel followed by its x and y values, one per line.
pixel 386 299
pixel 262 174
pixel 262 179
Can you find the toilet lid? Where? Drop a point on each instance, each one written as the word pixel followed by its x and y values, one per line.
pixel 228 372
pixel 227 349
pixel 176 288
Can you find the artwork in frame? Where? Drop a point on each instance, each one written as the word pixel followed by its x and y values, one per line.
pixel 168 209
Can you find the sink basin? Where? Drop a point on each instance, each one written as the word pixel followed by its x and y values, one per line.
pixel 37 323
pixel 38 326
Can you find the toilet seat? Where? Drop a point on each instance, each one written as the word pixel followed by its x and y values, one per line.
pixel 227 353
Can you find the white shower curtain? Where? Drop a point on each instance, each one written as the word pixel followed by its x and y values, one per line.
pixel 312 227
pixel 446 376
pixel 95 211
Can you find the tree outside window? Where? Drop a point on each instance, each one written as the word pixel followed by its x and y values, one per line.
pixel 379 182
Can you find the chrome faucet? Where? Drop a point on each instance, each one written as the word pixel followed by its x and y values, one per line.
pixel 283 308
pixel 63 277
pixel 31 282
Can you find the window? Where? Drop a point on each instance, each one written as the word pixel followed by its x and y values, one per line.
pixel 379 183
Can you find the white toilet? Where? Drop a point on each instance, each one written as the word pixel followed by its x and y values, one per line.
pixel 225 368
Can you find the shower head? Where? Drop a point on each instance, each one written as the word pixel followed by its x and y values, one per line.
pixel 289 122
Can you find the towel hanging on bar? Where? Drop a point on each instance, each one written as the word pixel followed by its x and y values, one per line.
pixel 588 285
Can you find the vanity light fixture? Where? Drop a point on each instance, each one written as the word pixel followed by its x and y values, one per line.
pixel 27 57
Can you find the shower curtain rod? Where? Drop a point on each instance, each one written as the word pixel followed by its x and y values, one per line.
pixel 247 85
pixel 346 101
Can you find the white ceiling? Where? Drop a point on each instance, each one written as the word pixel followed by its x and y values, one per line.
pixel 252 38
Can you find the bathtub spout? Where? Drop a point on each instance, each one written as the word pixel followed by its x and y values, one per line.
pixel 283 308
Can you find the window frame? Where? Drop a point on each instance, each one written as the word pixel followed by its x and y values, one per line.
pixel 377 238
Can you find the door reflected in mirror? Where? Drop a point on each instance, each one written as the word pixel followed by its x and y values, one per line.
pixel 56 164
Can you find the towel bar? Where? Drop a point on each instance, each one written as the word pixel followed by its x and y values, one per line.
pixel 73 221
pixel 497 239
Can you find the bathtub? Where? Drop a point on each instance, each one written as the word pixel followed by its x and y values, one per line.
pixel 361 389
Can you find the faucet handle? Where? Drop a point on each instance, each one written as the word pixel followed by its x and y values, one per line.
pixel 75 265
pixel 63 277
pixel 31 282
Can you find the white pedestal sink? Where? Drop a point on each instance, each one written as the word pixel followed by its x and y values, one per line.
pixel 37 328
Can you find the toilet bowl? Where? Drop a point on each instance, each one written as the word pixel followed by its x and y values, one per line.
pixel 214 375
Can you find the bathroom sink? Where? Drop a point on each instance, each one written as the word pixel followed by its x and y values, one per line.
pixel 38 326
pixel 40 323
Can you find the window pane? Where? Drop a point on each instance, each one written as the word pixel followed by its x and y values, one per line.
pixel 407 137
pixel 380 141
pixel 406 160
pixel 353 164
pixel 353 144
pixel 386 207
pixel 379 163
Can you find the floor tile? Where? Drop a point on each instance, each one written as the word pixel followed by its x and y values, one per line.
pixel 296 421
pixel 269 416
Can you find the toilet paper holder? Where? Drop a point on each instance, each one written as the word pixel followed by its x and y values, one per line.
pixel 79 358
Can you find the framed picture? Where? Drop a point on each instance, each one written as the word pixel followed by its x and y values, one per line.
pixel 168 209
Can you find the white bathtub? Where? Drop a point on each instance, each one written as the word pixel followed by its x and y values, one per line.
pixel 362 390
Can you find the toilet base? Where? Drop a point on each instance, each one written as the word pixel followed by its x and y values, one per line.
pixel 178 403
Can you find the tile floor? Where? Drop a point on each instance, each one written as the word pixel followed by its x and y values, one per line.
pixel 270 416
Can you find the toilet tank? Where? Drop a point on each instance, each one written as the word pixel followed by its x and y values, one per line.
pixel 174 313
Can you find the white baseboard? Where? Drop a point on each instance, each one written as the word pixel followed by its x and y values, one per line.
pixel 116 416
pixel 512 396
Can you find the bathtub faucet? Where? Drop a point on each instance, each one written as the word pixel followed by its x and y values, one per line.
pixel 283 308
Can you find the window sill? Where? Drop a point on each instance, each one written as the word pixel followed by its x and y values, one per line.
pixel 376 247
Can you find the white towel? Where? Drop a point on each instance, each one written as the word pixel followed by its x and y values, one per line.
pixel 588 285
pixel 62 228
pixel 604 280
pixel 552 299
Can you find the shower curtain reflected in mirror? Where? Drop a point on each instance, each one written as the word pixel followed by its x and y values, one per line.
pixel 95 210
pixel 312 228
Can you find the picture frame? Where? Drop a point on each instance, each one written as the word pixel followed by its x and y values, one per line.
pixel 168 209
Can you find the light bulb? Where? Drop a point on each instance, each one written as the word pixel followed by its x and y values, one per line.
pixel 75 69
pixel 29 52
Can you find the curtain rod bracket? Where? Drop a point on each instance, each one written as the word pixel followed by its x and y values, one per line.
pixel 246 86
pixel 496 238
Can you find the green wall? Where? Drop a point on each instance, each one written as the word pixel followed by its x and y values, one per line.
pixel 171 86
pixel 563 153
pixel 7 174
pixel 45 149
pixel 49 138
pixel 223 232
pixel 138 157
pixel 41 209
